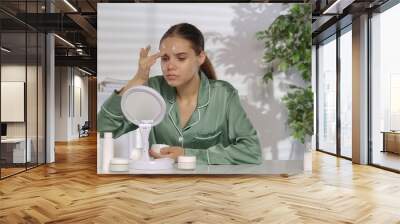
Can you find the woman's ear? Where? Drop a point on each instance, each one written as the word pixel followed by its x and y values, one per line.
pixel 202 57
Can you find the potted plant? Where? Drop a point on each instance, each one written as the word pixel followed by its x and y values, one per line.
pixel 288 48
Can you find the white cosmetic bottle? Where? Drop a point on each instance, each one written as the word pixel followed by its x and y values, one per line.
pixel 108 151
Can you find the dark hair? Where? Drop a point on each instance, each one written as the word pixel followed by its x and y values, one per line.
pixel 195 37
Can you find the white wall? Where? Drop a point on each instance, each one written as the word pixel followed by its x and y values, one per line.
pixel 12 73
pixel 80 84
pixel 236 54
pixel 61 103
pixel 33 125
pixel 68 82
pixel 314 88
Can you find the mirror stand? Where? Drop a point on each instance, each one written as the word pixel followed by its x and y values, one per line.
pixel 150 113
pixel 145 163
pixel 145 129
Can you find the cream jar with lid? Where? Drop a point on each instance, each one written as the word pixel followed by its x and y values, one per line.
pixel 187 162
pixel 119 165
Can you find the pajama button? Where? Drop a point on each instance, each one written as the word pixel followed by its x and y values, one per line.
pixel 180 139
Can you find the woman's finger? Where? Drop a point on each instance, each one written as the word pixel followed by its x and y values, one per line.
pixel 156 55
pixel 141 52
pixel 164 151
pixel 147 50
pixel 154 154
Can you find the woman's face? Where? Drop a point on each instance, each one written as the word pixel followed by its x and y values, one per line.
pixel 179 62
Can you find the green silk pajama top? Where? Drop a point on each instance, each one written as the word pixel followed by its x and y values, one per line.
pixel 218 131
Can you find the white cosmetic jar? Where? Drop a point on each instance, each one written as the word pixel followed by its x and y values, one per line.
pixel 156 148
pixel 119 165
pixel 187 162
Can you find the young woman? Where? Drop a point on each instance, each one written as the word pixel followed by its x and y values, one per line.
pixel 205 117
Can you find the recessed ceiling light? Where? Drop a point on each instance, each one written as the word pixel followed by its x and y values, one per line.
pixel 338 6
pixel 84 71
pixel 5 50
pixel 70 5
pixel 64 40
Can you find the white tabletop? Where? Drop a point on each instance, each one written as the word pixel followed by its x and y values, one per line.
pixel 268 167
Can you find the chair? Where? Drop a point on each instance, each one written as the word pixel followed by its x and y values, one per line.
pixel 84 130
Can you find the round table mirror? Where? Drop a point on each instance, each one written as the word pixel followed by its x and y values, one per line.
pixel 146 108
pixel 143 103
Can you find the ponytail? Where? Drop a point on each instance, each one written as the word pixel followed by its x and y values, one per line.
pixel 208 69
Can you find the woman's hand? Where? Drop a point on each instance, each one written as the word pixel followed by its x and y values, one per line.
pixel 144 65
pixel 169 152
pixel 145 62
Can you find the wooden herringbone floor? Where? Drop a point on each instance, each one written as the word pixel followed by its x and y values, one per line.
pixel 70 191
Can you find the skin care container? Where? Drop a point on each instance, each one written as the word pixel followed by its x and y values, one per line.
pixel 108 150
pixel 119 165
pixel 187 162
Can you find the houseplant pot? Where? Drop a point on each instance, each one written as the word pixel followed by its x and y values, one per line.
pixel 307 155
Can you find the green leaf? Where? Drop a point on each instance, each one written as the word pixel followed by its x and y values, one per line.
pixel 283 66
pixel 287 45
pixel 267 77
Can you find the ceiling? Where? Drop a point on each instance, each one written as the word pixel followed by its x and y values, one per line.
pixel 76 26
pixel 72 20
pixel 76 22
pixel 331 15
